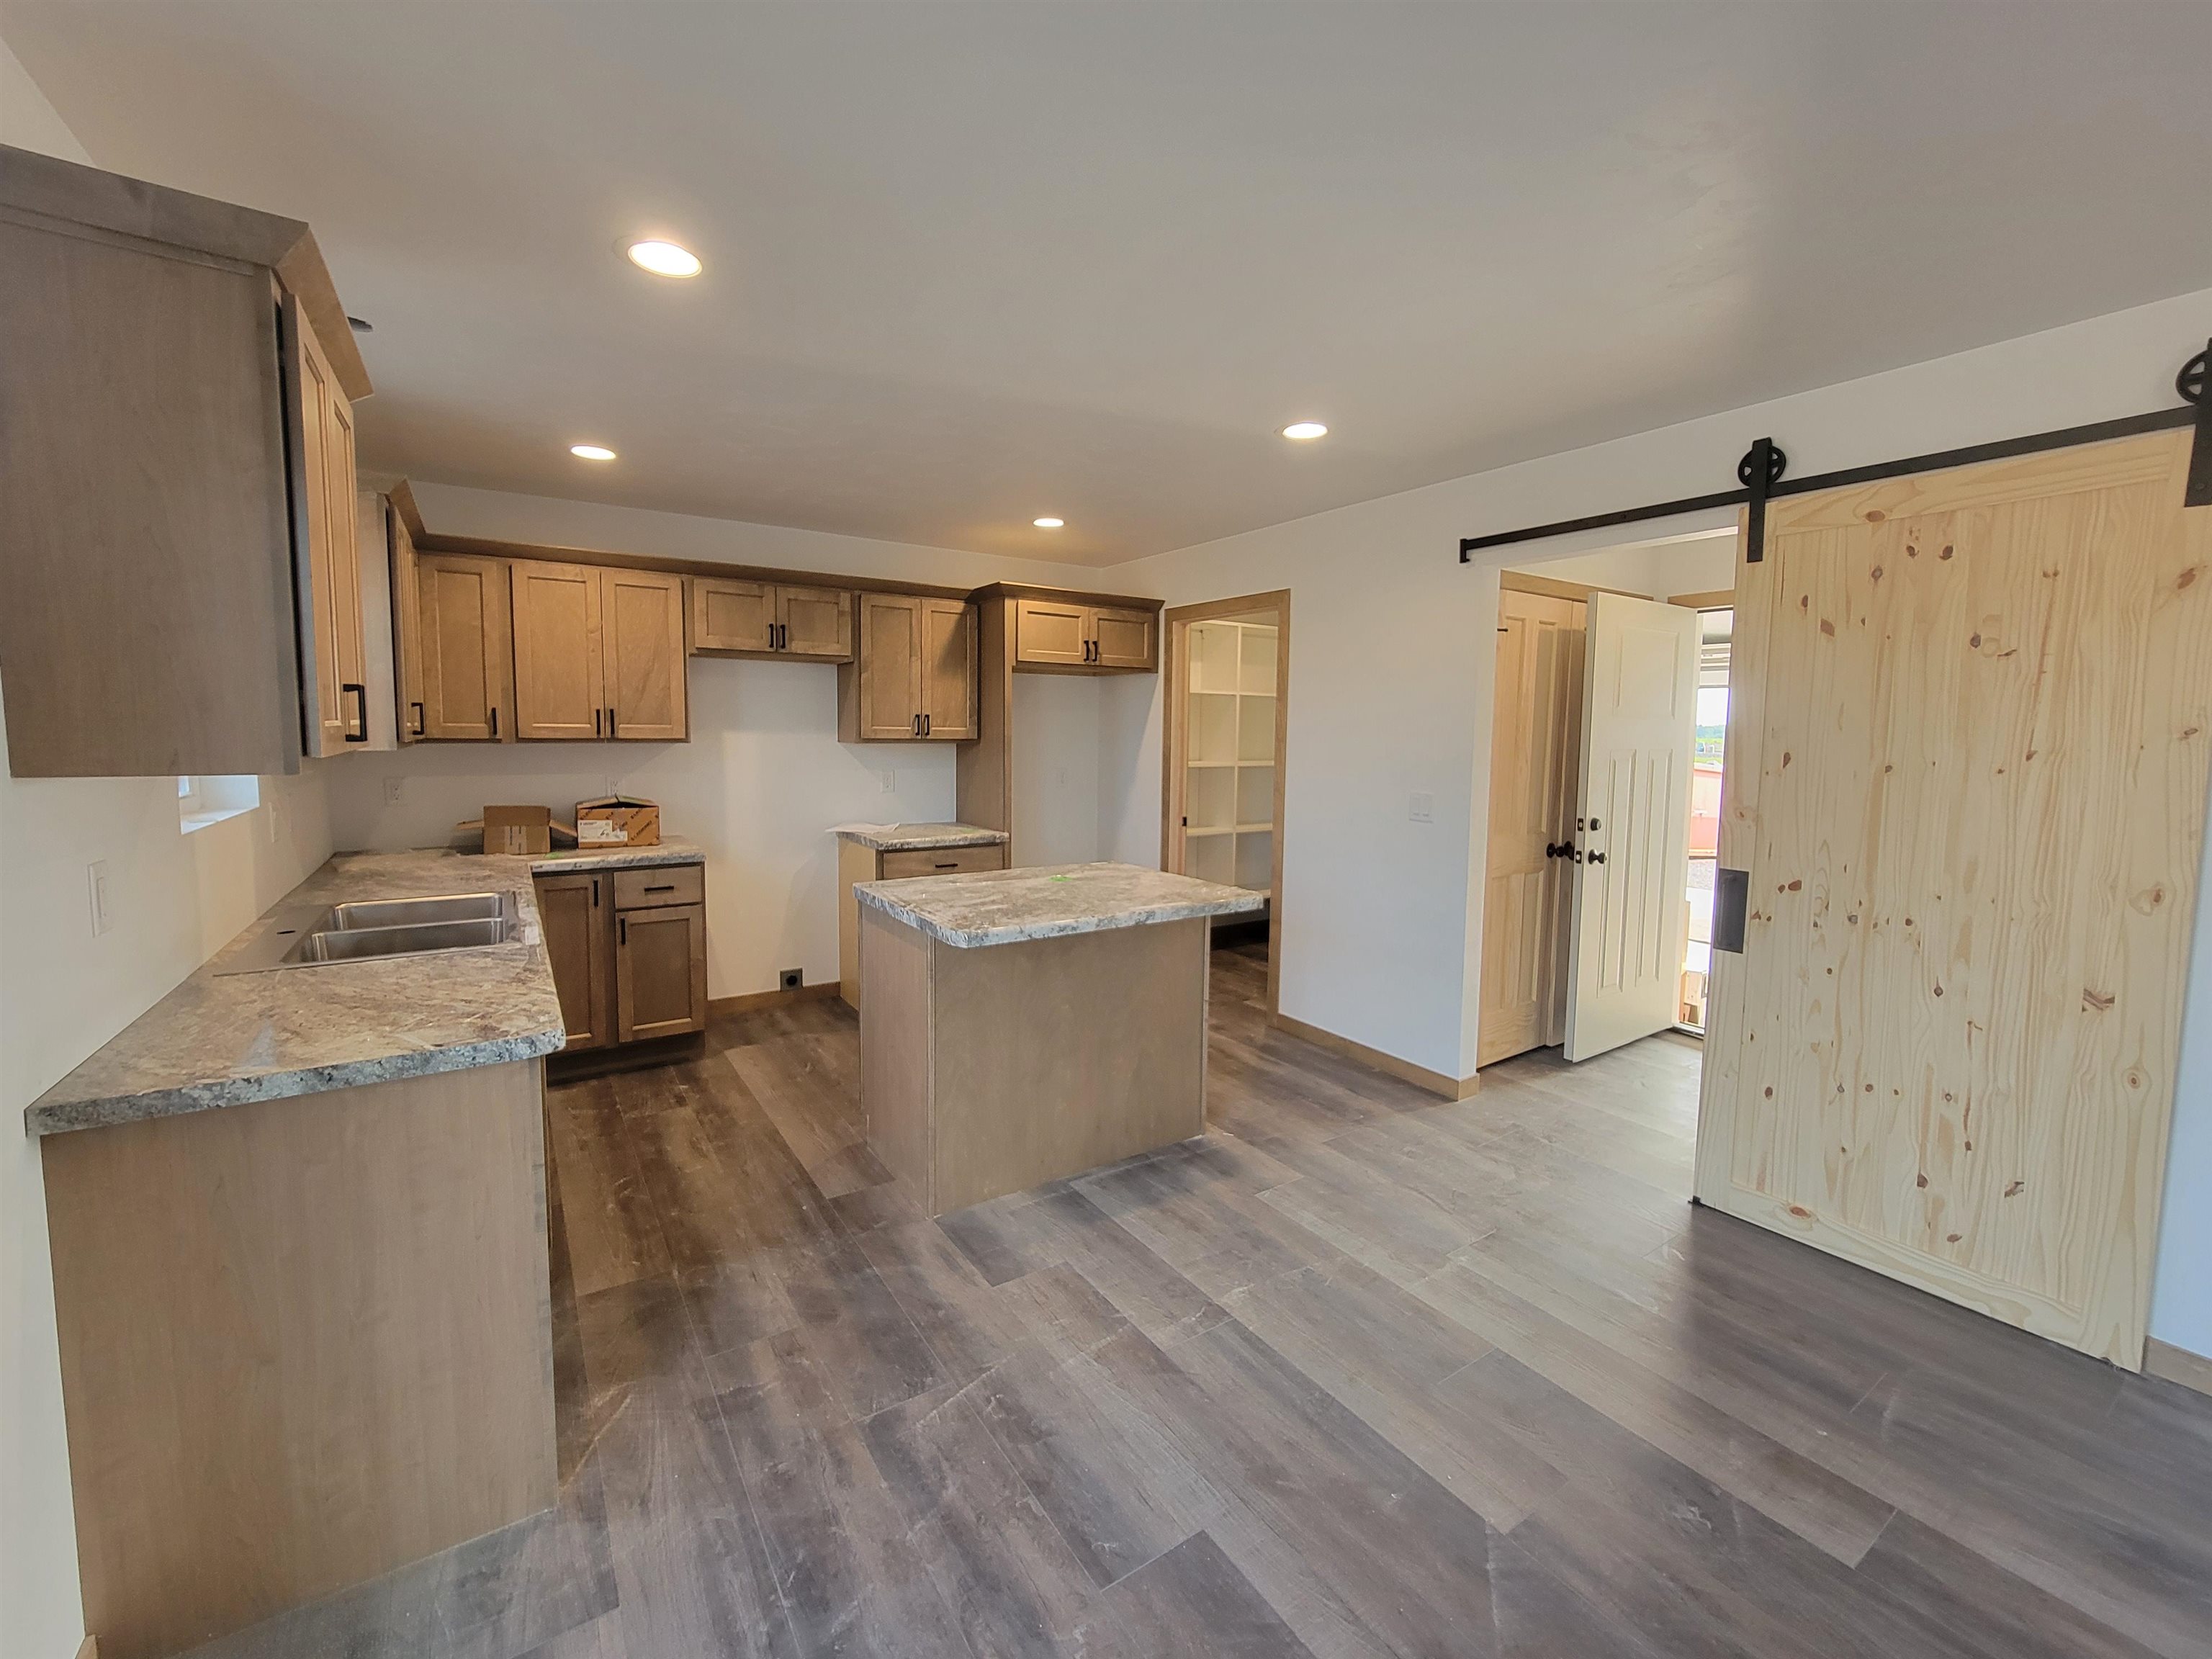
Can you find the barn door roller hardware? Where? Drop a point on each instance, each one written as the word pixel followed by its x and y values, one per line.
pixel 1762 483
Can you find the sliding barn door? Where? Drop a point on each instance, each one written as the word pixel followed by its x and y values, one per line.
pixel 1535 748
pixel 1966 764
pixel 1632 822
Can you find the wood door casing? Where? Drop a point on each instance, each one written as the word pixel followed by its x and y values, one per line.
pixel 560 686
pixel 1965 771
pixel 660 972
pixel 948 670
pixel 1535 757
pixel 576 909
pixel 642 635
pixel 463 647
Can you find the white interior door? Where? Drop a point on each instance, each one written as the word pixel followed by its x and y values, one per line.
pixel 1639 719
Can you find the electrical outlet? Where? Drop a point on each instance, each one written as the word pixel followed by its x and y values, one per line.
pixel 393 789
pixel 1421 807
pixel 96 885
pixel 889 780
pixel 791 979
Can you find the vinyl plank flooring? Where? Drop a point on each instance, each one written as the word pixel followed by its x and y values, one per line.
pixel 1360 1375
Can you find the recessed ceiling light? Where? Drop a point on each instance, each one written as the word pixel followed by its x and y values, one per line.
pixel 591 452
pixel 665 259
pixel 1305 431
pixel 1048 524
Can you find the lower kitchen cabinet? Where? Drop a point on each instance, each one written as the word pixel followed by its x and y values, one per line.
pixel 858 862
pixel 629 952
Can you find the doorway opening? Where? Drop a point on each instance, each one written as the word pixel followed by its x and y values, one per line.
pixel 1228 674
pixel 1603 811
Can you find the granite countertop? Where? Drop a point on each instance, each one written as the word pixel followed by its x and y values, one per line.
pixel 915 837
pixel 1004 907
pixel 223 1039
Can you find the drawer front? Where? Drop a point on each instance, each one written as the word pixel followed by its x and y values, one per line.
pixel 942 861
pixel 673 883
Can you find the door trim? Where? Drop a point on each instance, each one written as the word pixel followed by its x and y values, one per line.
pixel 1175 653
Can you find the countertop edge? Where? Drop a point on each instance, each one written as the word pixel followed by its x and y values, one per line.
pixel 971 939
pixel 865 836
pixel 110 1111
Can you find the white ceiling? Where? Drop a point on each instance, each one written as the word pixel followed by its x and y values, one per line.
pixel 968 264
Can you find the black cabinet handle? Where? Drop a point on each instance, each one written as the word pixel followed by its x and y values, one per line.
pixel 925 725
pixel 664 887
pixel 595 892
pixel 947 866
pixel 621 929
pixel 494 722
pixel 613 730
pixel 422 720
pixel 361 696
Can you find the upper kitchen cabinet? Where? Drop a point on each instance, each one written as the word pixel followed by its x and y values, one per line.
pixel 914 678
pixel 459 655
pixel 732 616
pixel 599 653
pixel 164 560
pixel 1073 637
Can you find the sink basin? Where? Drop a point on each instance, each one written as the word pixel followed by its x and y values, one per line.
pixel 371 930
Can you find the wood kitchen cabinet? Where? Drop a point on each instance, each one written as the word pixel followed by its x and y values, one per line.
pixel 334 654
pixel 1072 637
pixel 629 952
pixel 460 652
pixel 857 862
pixel 181 582
pixel 406 575
pixel 745 618
pixel 599 653
pixel 914 676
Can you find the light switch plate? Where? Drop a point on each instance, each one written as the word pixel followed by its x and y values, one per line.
pixel 889 780
pixel 1421 807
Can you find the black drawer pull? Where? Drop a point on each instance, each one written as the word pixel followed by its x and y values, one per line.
pixel 665 887
pixel 955 865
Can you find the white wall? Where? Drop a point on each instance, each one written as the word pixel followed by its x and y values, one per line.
pixel 764 775
pixel 1698 564
pixel 1391 661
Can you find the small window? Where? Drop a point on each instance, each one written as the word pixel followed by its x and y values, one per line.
pixel 204 799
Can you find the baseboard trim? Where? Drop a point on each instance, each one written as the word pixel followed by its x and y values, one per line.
pixel 1436 1083
pixel 752 1000
pixel 89 1649
pixel 2191 1371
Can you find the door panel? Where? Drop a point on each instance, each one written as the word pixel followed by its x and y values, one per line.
pixel 351 640
pixel 1126 639
pixel 641 614
pixel 1639 701
pixel 1965 771
pixel 728 615
pixel 817 622
pixel 576 911
pixel 890 665
pixel 559 690
pixel 316 386
pixel 413 712
pixel 464 643
pixel 1534 756
pixel 948 676
pixel 660 972
pixel 1047 631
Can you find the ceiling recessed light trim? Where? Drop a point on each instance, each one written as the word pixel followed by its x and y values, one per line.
pixel 665 259
pixel 1048 522
pixel 591 452
pixel 1304 432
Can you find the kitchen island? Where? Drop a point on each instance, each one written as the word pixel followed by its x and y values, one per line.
pixel 298 1220
pixel 1024 1025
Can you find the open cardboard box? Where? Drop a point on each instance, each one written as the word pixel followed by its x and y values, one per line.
pixel 526 831
pixel 618 821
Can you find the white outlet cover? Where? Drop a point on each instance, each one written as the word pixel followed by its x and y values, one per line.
pixel 1421 807
pixel 393 789
pixel 890 781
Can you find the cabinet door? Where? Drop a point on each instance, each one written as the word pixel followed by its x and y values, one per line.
pixel 948 669
pixel 727 614
pixel 641 614
pixel 660 972
pixel 885 692
pixel 464 648
pixel 560 690
pixel 1124 639
pixel 412 713
pixel 333 653
pixel 815 622
pixel 576 911
pixel 1047 631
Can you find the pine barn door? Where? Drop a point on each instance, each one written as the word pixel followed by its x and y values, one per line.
pixel 1970 716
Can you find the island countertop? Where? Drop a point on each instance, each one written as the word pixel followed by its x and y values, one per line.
pixel 221 1039
pixel 918 837
pixel 1005 907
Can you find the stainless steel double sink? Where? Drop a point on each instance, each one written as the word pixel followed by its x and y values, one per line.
pixel 368 930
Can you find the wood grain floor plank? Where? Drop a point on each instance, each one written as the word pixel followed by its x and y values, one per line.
pixel 1193 1600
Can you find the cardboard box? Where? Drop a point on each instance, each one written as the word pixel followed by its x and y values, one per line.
pixel 527 830
pixel 618 821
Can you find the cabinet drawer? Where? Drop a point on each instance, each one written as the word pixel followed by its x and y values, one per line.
pixel 942 861
pixel 671 883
